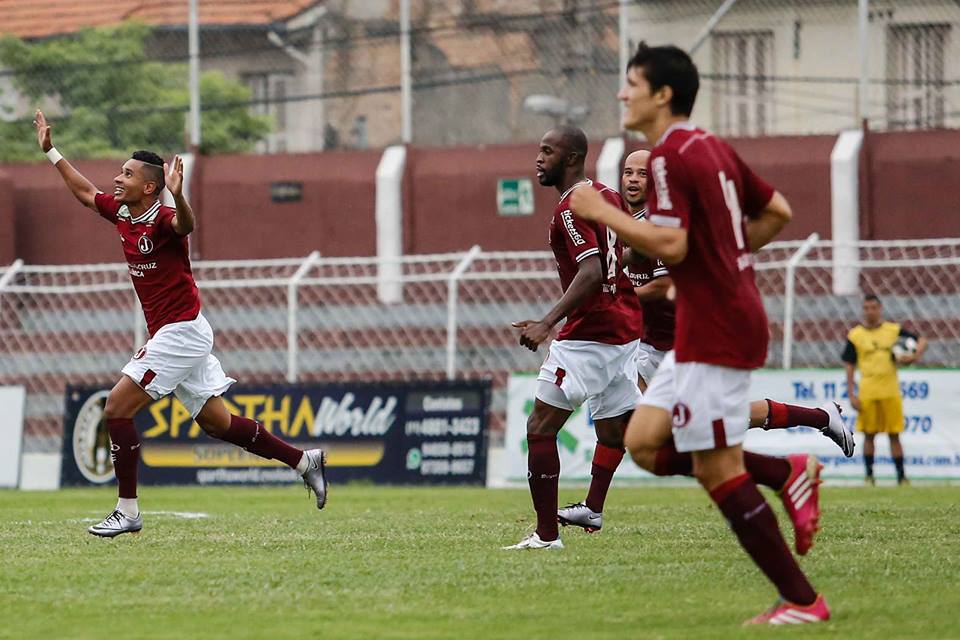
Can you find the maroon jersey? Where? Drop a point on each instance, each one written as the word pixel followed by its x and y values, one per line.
pixel 612 315
pixel 659 316
pixel 702 185
pixel 158 261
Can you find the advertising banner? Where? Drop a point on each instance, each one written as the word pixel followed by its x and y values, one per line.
pixel 411 433
pixel 931 409
pixel 13 401
pixel 931 437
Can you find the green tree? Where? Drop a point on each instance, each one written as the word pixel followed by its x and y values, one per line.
pixel 112 98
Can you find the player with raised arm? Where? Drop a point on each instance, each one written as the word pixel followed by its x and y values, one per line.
pixel 707 212
pixel 652 283
pixel 177 358
pixel 592 358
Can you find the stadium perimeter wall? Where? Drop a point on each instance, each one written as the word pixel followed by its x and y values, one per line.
pixel 450 199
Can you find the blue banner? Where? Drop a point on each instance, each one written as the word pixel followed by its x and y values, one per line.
pixel 409 433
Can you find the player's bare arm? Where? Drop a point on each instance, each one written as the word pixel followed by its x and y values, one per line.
pixel 774 217
pixel 81 188
pixel 656 289
pixel 852 386
pixel 184 220
pixel 663 243
pixel 587 282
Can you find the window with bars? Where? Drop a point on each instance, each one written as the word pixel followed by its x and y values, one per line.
pixel 915 75
pixel 269 94
pixel 742 89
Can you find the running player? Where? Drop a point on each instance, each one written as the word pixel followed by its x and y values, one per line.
pixel 707 212
pixel 652 284
pixel 592 357
pixel 177 358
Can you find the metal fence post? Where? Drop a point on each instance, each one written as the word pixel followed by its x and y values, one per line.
pixel 10 274
pixel 292 305
pixel 453 284
pixel 789 295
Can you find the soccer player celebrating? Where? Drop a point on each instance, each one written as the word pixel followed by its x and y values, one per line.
pixel 652 283
pixel 878 401
pixel 593 355
pixel 707 212
pixel 177 358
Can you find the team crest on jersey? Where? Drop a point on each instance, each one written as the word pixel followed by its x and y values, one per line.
pixel 681 415
pixel 145 244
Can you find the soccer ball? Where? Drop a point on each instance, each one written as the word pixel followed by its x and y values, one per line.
pixel 905 346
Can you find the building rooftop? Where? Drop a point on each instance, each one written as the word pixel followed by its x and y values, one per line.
pixel 45 18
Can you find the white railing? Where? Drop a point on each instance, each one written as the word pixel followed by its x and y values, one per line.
pixel 322 319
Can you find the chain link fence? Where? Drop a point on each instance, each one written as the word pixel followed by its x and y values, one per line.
pixel 299 75
pixel 317 319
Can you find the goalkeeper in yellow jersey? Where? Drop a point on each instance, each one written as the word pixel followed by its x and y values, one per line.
pixel 871 348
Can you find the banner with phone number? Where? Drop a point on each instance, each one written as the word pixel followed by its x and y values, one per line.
pixel 931 435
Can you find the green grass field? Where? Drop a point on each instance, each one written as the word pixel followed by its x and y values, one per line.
pixel 426 563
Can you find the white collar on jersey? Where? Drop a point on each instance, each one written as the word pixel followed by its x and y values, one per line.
pixel 641 215
pixel 685 125
pixel 147 216
pixel 568 191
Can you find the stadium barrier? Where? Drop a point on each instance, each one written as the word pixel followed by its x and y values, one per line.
pixel 321 320
pixel 387 433
pixel 931 437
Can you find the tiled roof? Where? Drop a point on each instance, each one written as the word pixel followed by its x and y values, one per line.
pixel 42 18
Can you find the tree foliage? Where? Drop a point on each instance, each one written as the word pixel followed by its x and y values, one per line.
pixel 110 97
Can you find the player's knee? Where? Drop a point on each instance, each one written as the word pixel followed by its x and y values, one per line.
pixel 115 407
pixel 213 427
pixel 644 457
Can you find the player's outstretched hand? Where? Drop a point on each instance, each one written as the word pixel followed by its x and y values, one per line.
pixel 855 402
pixel 43 131
pixel 586 203
pixel 174 175
pixel 532 333
pixel 906 358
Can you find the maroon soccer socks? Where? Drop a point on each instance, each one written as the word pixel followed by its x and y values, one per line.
pixel 605 462
pixel 252 436
pixel 784 416
pixel 543 476
pixel 755 525
pixel 125 453
pixel 770 471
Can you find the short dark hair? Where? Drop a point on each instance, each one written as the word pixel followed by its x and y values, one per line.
pixel 870 297
pixel 574 138
pixel 152 167
pixel 669 66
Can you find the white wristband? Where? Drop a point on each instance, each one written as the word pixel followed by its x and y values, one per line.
pixel 54 156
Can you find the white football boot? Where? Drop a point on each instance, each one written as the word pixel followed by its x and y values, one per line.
pixel 315 477
pixel 116 523
pixel 533 541
pixel 580 515
pixel 836 430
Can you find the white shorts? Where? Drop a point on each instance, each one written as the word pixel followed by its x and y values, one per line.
pixel 648 359
pixel 578 370
pixel 178 360
pixel 710 404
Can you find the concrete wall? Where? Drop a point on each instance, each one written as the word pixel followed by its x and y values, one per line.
pixel 450 196
pixel 7 219
pixel 335 216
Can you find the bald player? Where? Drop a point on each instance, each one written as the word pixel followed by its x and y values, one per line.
pixel 592 357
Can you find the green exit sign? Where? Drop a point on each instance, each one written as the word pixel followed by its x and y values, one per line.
pixel 515 197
